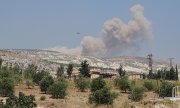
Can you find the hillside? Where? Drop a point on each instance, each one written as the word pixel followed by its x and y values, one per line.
pixel 49 60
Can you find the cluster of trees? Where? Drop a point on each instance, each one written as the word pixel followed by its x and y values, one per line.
pixel 57 87
pixel 100 93
pixel 165 74
pixel 61 69
pixel 9 77
pixel 21 101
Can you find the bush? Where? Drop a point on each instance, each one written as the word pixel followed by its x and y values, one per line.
pixel 123 84
pixel 43 98
pixel 29 84
pixel 82 83
pixel 37 77
pixel 148 85
pixel 97 84
pixel 6 87
pixel 58 89
pixel 116 80
pixel 137 94
pixel 102 96
pixel 20 102
pixel 45 83
pixel 166 89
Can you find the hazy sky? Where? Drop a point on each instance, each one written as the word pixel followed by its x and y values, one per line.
pixel 50 23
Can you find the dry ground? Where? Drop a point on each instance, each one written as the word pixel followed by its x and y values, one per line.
pixel 76 99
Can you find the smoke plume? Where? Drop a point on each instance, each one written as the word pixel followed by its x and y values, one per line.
pixel 117 36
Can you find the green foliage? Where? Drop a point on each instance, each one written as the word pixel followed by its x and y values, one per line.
pixel 116 80
pixel 85 70
pixel 30 71
pixel 1 61
pixel 37 77
pixel 58 89
pixel 148 85
pixel 166 89
pixel 19 102
pixel 82 83
pixel 165 74
pixel 137 94
pixel 70 69
pixel 60 71
pixel 43 98
pixel 151 75
pixel 5 73
pixel 6 87
pixel 45 83
pixel 97 84
pixel 176 73
pixel 102 96
pixel 123 84
pixel 172 75
pixel 29 84
pixel 121 71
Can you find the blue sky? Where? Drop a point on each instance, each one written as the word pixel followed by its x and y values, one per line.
pixel 47 23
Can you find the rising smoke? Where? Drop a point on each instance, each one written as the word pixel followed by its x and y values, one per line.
pixel 116 36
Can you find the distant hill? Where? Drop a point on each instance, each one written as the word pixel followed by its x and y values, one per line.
pixel 49 59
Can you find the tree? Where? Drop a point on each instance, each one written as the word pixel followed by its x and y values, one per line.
pixel 150 75
pixel 166 89
pixel 82 83
pixel 177 76
pixel 58 89
pixel 137 94
pixel 37 77
pixel 97 84
pixel 144 76
pixel 60 71
pixel 148 85
pixel 121 71
pixel 1 61
pixel 30 71
pixel 45 83
pixel 172 74
pixel 6 87
pixel 69 70
pixel 158 76
pixel 123 84
pixel 20 102
pixel 102 96
pixel 84 70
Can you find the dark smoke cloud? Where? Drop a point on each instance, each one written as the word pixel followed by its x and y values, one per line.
pixel 117 36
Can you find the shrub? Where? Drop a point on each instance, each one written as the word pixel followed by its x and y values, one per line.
pixel 82 83
pixel 42 98
pixel 17 79
pixel 148 85
pixel 137 94
pixel 116 80
pixel 123 84
pixel 20 102
pixel 37 77
pixel 45 83
pixel 30 71
pixel 166 89
pixel 58 89
pixel 29 84
pixel 6 87
pixel 102 96
pixel 97 84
